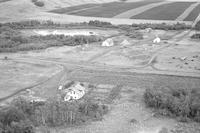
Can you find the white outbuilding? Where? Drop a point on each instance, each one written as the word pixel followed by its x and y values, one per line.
pixel 148 30
pixel 108 43
pixel 125 43
pixel 157 40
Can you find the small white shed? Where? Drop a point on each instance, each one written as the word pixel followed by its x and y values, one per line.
pixel 125 42
pixel 108 43
pixel 157 40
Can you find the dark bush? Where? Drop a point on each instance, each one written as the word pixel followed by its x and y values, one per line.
pixel 195 36
pixel 22 127
pixel 135 34
pixel 98 23
pixel 181 103
pixel 34 1
pixel 163 26
pixel 11 114
pixel 39 3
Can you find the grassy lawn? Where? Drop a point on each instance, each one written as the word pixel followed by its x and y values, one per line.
pixel 111 9
pixel 164 12
pixel 73 8
pixel 194 14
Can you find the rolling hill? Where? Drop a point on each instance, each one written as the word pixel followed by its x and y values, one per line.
pixel 115 11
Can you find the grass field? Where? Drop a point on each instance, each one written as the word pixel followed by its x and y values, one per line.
pixel 165 12
pixel 109 9
pixel 194 14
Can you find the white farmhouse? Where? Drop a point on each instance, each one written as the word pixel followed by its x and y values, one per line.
pixel 75 92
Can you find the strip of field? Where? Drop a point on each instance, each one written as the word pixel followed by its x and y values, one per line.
pixel 133 12
pixel 187 12
pixel 164 12
pixel 73 8
pixel 194 14
pixel 111 9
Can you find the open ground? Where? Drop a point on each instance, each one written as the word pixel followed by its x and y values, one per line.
pixel 124 71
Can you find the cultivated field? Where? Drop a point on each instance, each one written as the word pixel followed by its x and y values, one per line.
pixel 164 12
pixel 148 10
pixel 107 10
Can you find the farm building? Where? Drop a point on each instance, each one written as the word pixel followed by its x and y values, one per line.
pixel 108 43
pixel 125 43
pixel 74 92
pixel 157 40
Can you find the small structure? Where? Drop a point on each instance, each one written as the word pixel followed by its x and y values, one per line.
pixel 60 87
pixel 125 43
pixel 148 30
pixel 108 43
pixel 157 40
pixel 74 92
pixel 183 58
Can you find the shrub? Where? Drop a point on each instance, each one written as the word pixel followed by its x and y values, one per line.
pixel 98 23
pixel 134 34
pixel 34 1
pixel 39 3
pixel 181 103
pixel 195 36
pixel 11 114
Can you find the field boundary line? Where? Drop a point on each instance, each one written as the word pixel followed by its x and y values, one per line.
pixel 196 20
pixel 136 11
pixel 82 9
pixel 187 12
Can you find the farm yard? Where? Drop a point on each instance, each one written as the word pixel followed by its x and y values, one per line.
pixel 99 66
pixel 115 77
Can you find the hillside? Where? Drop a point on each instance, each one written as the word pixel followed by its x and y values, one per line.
pixel 116 12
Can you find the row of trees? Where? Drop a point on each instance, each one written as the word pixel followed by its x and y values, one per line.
pixel 12 40
pixel 95 23
pixel 22 116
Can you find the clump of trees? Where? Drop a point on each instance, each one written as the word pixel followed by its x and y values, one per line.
pixel 196 36
pixel 181 103
pixel 135 35
pixel 11 40
pixel 95 23
pixel 163 26
pixel 23 116
pixel 38 3
pixel 98 23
